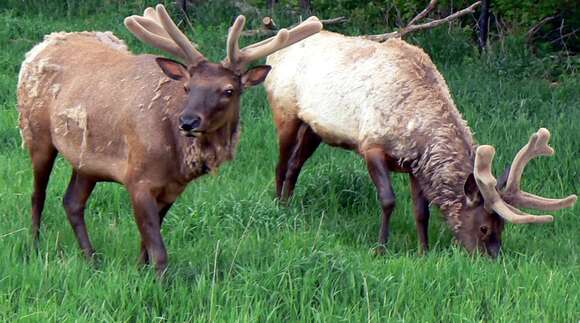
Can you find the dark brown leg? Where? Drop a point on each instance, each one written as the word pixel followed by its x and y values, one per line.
pixel 306 143
pixel 75 199
pixel 378 170
pixel 421 210
pixel 42 163
pixel 144 256
pixel 287 132
pixel 148 222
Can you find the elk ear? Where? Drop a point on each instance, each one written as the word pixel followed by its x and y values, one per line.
pixel 173 69
pixel 471 191
pixel 502 181
pixel 255 75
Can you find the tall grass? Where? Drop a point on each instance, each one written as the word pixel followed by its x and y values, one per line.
pixel 237 255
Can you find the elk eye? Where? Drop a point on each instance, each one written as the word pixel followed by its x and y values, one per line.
pixel 228 93
pixel 484 229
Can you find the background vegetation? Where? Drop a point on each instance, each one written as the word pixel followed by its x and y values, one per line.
pixel 236 255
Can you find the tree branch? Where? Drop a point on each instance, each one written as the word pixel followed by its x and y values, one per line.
pixel 423 13
pixel 270 28
pixel 429 25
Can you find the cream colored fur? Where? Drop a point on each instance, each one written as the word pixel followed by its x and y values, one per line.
pixel 361 93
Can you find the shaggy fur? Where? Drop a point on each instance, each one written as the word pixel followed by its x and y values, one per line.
pixel 357 93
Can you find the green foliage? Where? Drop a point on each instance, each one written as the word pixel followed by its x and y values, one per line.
pixel 513 18
pixel 237 255
pixel 529 12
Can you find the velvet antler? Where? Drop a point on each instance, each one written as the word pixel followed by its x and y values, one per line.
pixel 237 58
pixel 157 29
pixel 537 146
pixel 501 202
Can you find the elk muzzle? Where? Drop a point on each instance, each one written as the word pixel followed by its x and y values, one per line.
pixel 493 248
pixel 189 125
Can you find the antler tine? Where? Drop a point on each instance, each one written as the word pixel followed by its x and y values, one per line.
pixel 157 29
pixel 152 38
pixel 233 49
pixel 533 201
pixel 152 26
pixel 486 183
pixel 297 33
pixel 284 38
pixel 253 53
pixel 307 28
pixel 151 14
pixel 193 56
pixel 238 58
pixel 266 47
pixel 537 146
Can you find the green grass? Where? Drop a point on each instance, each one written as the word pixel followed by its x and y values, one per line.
pixel 236 255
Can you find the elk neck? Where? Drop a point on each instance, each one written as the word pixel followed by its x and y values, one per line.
pixel 443 166
pixel 201 155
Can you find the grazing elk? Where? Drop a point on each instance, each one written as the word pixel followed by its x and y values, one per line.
pixel 388 102
pixel 149 123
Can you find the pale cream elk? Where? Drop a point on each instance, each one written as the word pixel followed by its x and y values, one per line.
pixel 387 102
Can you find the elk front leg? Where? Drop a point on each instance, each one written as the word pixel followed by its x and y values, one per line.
pixel 75 199
pixel 144 256
pixel 149 224
pixel 306 143
pixel 421 211
pixel 376 160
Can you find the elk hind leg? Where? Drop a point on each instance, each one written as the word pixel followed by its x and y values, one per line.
pixel 42 155
pixel 75 200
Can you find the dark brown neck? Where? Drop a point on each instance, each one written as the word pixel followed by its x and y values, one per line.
pixel 442 170
pixel 201 155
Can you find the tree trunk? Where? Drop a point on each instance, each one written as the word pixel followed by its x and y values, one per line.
pixel 305 7
pixel 271 4
pixel 181 4
pixel 483 24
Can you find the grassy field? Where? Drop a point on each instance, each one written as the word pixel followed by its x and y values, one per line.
pixel 236 255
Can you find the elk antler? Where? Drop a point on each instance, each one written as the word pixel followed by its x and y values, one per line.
pixel 269 27
pixel 157 29
pixel 537 146
pixel 237 59
pixel 496 201
pixel 411 27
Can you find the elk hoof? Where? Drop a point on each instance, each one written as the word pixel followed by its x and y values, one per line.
pixel 379 250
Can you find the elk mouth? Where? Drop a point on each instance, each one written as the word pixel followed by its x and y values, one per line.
pixel 192 133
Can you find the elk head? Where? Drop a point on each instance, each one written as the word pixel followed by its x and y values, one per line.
pixel 489 204
pixel 213 89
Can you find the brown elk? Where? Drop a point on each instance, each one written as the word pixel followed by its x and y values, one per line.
pixel 388 102
pixel 149 123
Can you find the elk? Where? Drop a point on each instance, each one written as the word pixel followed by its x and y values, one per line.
pixel 387 102
pixel 146 122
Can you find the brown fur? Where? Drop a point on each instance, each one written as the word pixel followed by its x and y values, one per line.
pixel 116 117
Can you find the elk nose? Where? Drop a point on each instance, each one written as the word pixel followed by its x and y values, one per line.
pixel 188 123
pixel 494 250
